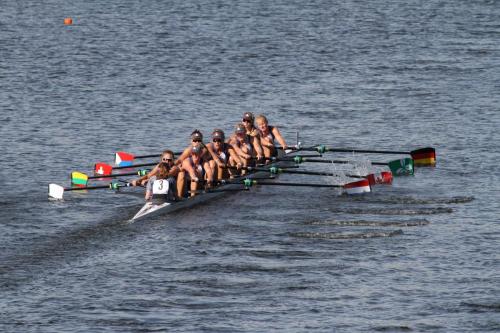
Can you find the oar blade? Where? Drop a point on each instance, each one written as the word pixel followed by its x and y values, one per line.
pixel 103 169
pixel 124 159
pixel 424 156
pixel 56 191
pixel 384 177
pixel 402 167
pixel 357 187
pixel 79 179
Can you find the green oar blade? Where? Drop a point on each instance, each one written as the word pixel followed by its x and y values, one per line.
pixel 402 167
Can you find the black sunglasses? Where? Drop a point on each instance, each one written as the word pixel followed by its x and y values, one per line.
pixel 196 140
pixel 167 159
pixel 217 140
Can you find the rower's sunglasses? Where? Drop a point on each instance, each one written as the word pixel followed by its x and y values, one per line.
pixel 217 140
pixel 246 121
pixel 167 159
pixel 196 140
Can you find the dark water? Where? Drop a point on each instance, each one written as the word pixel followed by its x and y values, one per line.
pixel 419 256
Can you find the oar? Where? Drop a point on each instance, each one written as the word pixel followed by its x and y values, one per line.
pixel 401 167
pixel 422 157
pixel 81 179
pixel 104 169
pixel 384 177
pixel 57 191
pixel 360 186
pixel 124 159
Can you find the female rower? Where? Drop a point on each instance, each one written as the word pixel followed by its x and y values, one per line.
pixel 221 152
pixel 196 169
pixel 268 134
pixel 165 170
pixel 196 141
pixel 245 146
pixel 248 122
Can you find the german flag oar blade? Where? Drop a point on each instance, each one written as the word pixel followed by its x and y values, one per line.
pixel 424 156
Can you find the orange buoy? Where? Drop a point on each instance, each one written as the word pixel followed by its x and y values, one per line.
pixel 68 21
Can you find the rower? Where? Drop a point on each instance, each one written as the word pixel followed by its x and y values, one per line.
pixel 196 169
pixel 154 180
pixel 245 146
pixel 248 122
pixel 221 152
pixel 268 135
pixel 196 140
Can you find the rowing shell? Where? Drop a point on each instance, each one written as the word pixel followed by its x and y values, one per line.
pixel 151 209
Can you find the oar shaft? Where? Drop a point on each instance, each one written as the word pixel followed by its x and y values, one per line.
pixel 134 166
pixel 297 184
pixel 117 175
pixel 316 173
pixel 368 151
pixel 86 188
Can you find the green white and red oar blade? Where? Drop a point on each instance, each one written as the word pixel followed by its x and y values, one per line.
pixel 57 191
pixel 422 157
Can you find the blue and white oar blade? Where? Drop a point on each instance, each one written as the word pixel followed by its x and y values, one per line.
pixel 124 159
pixel 56 191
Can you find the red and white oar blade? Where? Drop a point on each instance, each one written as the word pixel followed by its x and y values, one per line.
pixel 384 177
pixel 56 191
pixel 124 159
pixel 358 187
pixel 103 169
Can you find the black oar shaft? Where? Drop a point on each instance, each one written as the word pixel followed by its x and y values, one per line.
pixel 115 175
pixel 340 161
pixel 315 173
pixel 135 166
pixel 297 184
pixel 347 150
pixel 85 188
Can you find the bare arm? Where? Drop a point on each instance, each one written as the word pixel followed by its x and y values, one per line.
pixel 278 137
pixel 183 156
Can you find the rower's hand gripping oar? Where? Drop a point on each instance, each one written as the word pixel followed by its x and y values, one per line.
pixel 57 191
pixel 80 179
pixel 421 157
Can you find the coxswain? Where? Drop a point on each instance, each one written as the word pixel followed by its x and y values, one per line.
pixel 249 122
pixel 195 168
pixel 167 171
pixel 221 152
pixel 268 135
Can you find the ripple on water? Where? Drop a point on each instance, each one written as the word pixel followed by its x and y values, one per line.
pixel 366 223
pixel 394 211
pixel 346 235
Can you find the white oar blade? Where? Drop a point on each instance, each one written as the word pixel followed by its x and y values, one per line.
pixel 358 187
pixel 56 191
